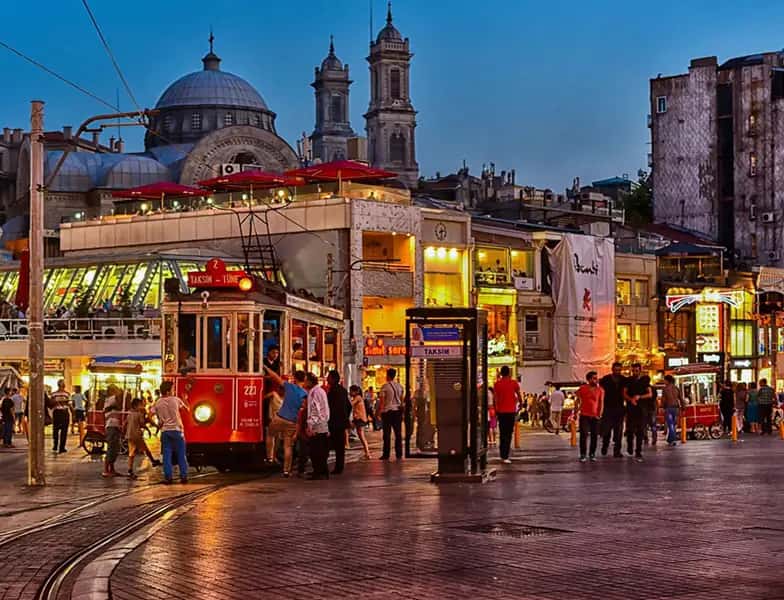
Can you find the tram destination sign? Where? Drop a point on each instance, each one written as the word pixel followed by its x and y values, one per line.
pixel 455 351
pixel 215 275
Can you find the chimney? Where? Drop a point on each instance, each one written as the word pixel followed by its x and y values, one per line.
pixel 111 143
pixel 7 135
pixel 120 147
pixel 512 175
pixel 67 131
pixel 16 138
pixel 96 138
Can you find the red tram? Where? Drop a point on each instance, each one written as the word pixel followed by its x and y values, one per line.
pixel 214 342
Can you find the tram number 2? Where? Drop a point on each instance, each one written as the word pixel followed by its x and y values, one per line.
pixel 249 390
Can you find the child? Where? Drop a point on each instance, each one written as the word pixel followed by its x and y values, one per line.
pixel 134 427
pixel 492 424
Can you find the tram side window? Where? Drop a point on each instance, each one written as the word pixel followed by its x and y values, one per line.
pixel 298 338
pixel 272 334
pixel 330 347
pixel 256 335
pixel 215 348
pixel 187 342
pixel 243 337
pixel 169 357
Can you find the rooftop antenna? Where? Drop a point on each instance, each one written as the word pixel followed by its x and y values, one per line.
pixel 212 39
pixel 370 6
pixel 117 94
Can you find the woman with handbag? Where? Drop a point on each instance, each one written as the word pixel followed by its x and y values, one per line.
pixel 359 417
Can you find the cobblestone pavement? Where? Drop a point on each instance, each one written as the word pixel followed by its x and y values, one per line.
pixel 702 520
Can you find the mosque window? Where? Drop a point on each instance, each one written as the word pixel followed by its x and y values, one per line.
pixel 254 120
pixel 196 121
pixel 228 119
pixel 336 108
pixel 168 123
pixel 394 84
pixel 397 148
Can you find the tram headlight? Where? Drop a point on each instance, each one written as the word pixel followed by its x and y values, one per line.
pixel 245 284
pixel 203 414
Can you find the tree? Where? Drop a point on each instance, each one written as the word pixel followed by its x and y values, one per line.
pixel 639 202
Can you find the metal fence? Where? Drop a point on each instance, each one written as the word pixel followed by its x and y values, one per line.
pixel 99 328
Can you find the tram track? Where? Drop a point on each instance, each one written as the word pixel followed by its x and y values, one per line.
pixel 55 583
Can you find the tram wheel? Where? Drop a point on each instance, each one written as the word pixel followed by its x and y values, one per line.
pixel 700 432
pixel 92 446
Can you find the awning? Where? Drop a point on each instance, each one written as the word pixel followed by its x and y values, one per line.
pixel 770 279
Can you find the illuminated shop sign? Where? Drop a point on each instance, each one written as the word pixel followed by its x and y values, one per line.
pixel 741 363
pixel 380 347
pixel 675 302
pixel 677 361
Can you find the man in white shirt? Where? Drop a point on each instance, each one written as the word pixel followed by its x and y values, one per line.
pixel 556 406
pixel 391 408
pixel 318 426
pixel 19 406
pixel 167 409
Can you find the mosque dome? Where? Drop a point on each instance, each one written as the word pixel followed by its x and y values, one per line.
pixel 331 62
pixel 389 32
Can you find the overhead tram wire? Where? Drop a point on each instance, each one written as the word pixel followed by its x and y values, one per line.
pixel 49 71
pixel 111 55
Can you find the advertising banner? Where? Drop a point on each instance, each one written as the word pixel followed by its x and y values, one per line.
pixel 583 287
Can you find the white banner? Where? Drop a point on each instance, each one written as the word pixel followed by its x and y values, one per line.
pixel 583 288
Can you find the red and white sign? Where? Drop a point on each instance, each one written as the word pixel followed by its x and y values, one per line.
pixel 215 275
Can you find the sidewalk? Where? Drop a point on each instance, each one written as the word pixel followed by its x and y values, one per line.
pixel 703 520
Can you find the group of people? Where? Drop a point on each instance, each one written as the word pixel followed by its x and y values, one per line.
pixel 753 406
pixel 317 419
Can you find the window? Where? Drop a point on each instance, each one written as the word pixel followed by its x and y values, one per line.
pixel 216 357
pixel 254 119
pixel 196 121
pixel 753 245
pixel 752 122
pixel 623 335
pixel 523 263
pixel 397 148
pixel 641 292
pixel 642 335
pixel 661 104
pixel 243 342
pixel 491 266
pixel 168 123
pixel 336 108
pixel 394 84
pixel 741 339
pixel 623 292
pixel 777 85
pixel 752 164
pixel 531 323
pixel 228 120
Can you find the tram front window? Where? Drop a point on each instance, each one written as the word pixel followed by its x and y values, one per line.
pixel 243 347
pixel 215 337
pixel 187 342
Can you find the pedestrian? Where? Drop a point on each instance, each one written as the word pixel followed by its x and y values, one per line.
pixel 60 403
pixel 506 393
pixel 672 402
pixel 614 410
pixel 369 399
pixel 167 409
pixel 317 427
pixel 492 424
pixel 765 397
pixel 556 406
pixel 284 421
pixel 533 411
pixel 727 406
pixel 339 419
pixel 272 360
pixel 359 417
pixel 134 428
pixel 589 404
pixel 636 392
pixel 9 419
pixel 112 411
pixel 19 406
pixel 391 409
pixel 741 397
pixel 78 403
pixel 752 408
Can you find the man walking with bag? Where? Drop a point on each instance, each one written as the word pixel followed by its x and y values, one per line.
pixel 390 405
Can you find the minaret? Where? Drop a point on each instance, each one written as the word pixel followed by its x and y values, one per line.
pixel 391 118
pixel 332 129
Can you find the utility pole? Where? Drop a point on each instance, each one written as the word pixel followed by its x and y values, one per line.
pixel 35 316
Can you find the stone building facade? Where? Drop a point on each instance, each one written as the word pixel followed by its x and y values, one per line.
pixel 716 154
pixel 391 118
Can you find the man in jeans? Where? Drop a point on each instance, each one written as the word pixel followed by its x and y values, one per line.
pixel 765 398
pixel 317 426
pixel 614 410
pixel 390 406
pixel 506 395
pixel 339 419
pixel 636 392
pixel 167 409
pixel 589 405
pixel 556 406
pixel 61 416
pixel 284 423
pixel 671 402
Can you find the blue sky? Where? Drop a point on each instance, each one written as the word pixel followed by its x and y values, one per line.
pixel 553 89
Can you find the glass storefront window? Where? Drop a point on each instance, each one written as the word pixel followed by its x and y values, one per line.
pixel 623 334
pixel 744 312
pixel 741 339
pixel 641 292
pixel 491 266
pixel 623 292
pixel 523 263
pixel 641 335
pixel 444 281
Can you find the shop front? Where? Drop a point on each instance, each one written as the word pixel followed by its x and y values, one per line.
pixel 502 345
pixel 382 353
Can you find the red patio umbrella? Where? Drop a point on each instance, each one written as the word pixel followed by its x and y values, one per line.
pixel 250 179
pixel 339 170
pixel 153 191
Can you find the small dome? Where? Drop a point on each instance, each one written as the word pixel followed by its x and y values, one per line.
pixel 389 32
pixel 331 62
pixel 131 171
pixel 211 87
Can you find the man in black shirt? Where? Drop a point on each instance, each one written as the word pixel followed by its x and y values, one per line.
pixel 638 395
pixel 614 410
pixel 339 419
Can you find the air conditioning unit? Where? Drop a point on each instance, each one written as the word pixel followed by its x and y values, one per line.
pixel 768 217
pixel 531 339
pixel 230 168
pixel 20 329
pixel 774 255
pixel 110 331
pixel 753 212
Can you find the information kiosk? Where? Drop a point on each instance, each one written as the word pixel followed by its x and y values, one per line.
pixel 446 384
